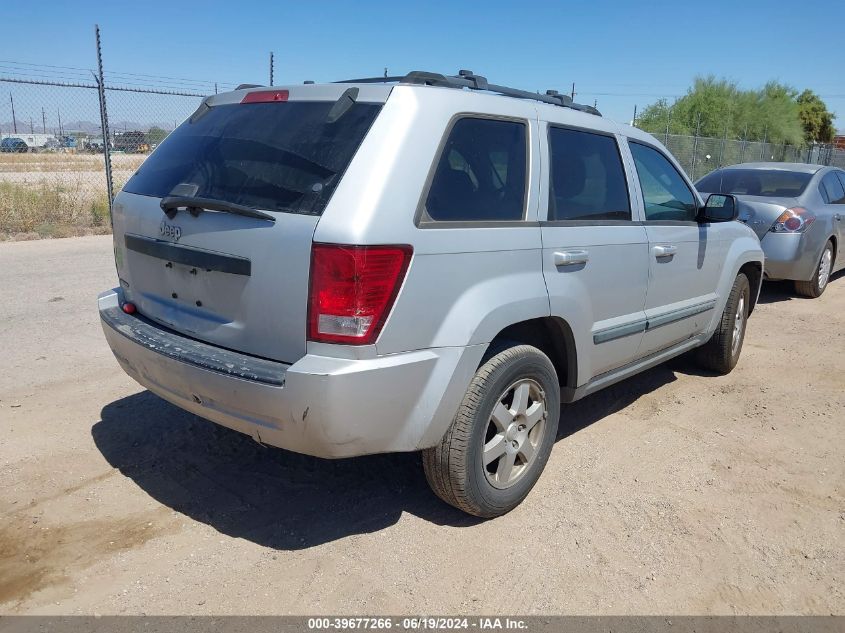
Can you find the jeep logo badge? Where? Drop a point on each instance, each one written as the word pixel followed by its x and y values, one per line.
pixel 169 230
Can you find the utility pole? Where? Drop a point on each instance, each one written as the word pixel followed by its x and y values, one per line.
pixel 59 112
pixel 31 129
pixel 385 72
pixel 572 95
pixel 215 87
pixel 14 120
pixel 634 120
pixel 43 121
pixel 271 68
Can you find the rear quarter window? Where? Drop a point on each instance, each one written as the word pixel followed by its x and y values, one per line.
pixel 480 173
pixel 834 189
pixel 278 156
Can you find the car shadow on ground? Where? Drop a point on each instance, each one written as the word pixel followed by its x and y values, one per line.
pixel 287 501
pixel 777 291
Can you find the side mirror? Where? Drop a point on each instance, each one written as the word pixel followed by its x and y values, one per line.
pixel 719 207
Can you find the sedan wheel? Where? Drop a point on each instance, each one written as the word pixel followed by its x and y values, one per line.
pixel 824 268
pixel 815 286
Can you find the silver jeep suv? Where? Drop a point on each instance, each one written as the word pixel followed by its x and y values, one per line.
pixel 419 263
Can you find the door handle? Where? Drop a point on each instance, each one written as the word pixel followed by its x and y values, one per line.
pixel 664 251
pixel 570 258
pixel 837 217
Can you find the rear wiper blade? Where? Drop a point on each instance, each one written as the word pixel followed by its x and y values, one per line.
pixel 171 204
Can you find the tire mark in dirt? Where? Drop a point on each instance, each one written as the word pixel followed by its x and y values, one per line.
pixel 66 491
pixel 34 556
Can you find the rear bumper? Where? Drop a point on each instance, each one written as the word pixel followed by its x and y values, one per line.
pixel 322 406
pixel 791 255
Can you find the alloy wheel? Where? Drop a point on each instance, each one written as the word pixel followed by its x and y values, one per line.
pixel 514 433
pixel 824 268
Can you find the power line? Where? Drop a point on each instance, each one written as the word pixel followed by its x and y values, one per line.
pixel 86 71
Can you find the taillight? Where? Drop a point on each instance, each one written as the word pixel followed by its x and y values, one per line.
pixel 794 220
pixel 352 289
pixel 265 96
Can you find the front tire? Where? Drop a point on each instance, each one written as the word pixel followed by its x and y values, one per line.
pixel 815 287
pixel 721 353
pixel 501 437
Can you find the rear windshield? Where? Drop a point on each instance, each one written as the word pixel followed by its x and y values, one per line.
pixel 775 183
pixel 278 156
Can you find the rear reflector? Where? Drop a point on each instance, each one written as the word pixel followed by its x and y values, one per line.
pixel 129 308
pixel 352 290
pixel 265 96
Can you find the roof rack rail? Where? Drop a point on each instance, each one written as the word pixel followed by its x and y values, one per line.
pixel 245 86
pixel 468 79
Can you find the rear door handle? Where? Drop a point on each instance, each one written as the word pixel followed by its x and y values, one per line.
pixel 570 258
pixel 664 251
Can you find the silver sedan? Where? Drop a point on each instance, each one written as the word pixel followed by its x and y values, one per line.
pixel 797 211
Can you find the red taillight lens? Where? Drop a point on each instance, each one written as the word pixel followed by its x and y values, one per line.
pixel 352 290
pixel 265 96
pixel 794 220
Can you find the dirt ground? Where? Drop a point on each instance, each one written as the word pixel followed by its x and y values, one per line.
pixel 670 493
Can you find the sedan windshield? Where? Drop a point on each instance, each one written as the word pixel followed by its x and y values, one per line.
pixel 773 183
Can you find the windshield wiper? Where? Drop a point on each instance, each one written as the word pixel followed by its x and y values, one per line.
pixel 171 205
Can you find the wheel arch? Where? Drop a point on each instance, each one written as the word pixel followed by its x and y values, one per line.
pixel 754 272
pixel 553 336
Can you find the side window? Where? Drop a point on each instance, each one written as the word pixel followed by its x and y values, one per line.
pixel 823 193
pixel 841 175
pixel 835 191
pixel 665 194
pixel 587 181
pixel 481 173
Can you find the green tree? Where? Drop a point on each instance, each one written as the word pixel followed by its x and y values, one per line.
pixel 156 135
pixel 816 119
pixel 718 107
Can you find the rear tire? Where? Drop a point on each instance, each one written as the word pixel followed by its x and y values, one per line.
pixel 501 437
pixel 815 287
pixel 721 353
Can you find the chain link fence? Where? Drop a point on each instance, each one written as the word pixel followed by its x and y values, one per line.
pixel 700 155
pixel 53 155
pixel 52 151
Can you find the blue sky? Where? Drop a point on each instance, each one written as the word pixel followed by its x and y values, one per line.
pixel 620 54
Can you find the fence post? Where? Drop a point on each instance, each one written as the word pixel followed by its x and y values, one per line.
pixel 722 146
pixel 104 122
pixel 695 146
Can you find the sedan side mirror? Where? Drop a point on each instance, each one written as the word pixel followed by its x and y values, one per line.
pixel 719 207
